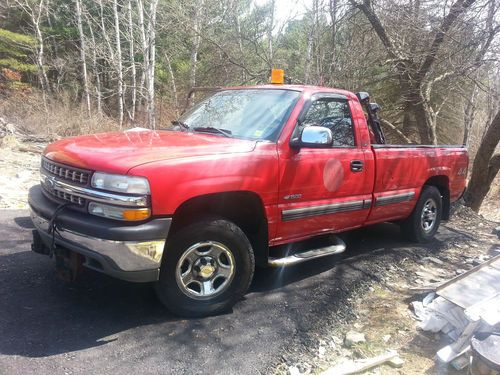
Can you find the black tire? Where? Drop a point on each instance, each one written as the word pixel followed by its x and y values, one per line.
pixel 413 226
pixel 169 288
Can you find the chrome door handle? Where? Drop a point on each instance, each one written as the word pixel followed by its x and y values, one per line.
pixel 356 165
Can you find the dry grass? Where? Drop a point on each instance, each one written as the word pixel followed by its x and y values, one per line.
pixel 67 116
pixel 63 116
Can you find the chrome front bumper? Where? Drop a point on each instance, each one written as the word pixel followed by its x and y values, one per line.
pixel 128 260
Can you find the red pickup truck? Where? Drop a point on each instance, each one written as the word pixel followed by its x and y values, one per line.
pixel 195 208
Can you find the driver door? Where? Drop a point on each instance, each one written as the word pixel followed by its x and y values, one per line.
pixel 324 189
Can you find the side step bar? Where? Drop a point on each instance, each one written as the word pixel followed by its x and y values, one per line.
pixel 338 247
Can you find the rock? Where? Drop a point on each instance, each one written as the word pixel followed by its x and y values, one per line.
pixel 357 325
pixel 434 260
pixel 10 128
pixel 336 340
pixel 23 175
pixel 321 351
pixel 352 338
pixel 300 369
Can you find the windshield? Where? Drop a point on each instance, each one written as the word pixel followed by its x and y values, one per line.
pixel 250 113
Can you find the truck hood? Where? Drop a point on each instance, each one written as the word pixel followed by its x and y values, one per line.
pixel 118 152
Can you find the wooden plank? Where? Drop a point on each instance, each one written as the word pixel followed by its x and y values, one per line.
pixel 474 286
pixel 488 310
pixel 465 274
pixel 361 365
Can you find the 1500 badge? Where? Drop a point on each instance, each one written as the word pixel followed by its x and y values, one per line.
pixel 292 196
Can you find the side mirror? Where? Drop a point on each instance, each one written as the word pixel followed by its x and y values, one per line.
pixel 363 97
pixel 314 137
pixel 374 107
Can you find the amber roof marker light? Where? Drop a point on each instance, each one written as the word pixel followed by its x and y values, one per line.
pixel 277 76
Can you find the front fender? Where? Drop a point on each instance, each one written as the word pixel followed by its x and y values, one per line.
pixel 173 182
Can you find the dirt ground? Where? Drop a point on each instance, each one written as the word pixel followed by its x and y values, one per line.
pixel 19 170
pixel 379 309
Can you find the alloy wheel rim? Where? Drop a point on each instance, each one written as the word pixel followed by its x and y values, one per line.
pixel 429 214
pixel 205 270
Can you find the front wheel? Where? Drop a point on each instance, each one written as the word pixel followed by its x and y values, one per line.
pixel 424 221
pixel 207 267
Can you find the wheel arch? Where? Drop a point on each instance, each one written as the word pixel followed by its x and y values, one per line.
pixel 442 183
pixel 244 208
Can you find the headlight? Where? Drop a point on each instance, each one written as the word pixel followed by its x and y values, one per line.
pixel 120 213
pixel 120 183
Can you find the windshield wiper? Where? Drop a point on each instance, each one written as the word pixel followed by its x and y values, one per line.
pixel 181 124
pixel 211 129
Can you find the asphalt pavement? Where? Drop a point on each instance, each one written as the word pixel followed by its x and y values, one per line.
pixel 107 326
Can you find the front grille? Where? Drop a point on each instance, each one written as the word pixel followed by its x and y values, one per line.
pixel 67 197
pixel 67 173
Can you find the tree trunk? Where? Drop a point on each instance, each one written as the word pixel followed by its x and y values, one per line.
pixel 97 74
pixel 111 61
pixel 240 42
pixel 307 65
pixel 485 166
pixel 333 8
pixel 426 124
pixel 83 56
pixel 469 114
pixel 119 66
pixel 174 86
pixel 40 57
pixel 145 51
pixel 151 64
pixel 270 34
pixel 132 60
pixel 195 46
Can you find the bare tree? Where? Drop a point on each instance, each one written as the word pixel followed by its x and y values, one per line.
pixel 35 11
pixel 132 59
pixel 414 73
pixel 485 166
pixel 151 65
pixel 119 62
pixel 147 34
pixel 83 57
pixel 174 86
pixel 196 40
pixel 95 68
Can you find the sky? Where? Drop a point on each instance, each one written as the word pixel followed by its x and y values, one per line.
pixel 286 10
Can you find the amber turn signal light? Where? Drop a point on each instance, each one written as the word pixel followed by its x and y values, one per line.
pixel 136 214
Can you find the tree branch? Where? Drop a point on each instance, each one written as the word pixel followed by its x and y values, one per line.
pixel 455 11
pixel 370 14
pixel 396 130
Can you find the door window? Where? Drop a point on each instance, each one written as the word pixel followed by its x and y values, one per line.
pixel 335 115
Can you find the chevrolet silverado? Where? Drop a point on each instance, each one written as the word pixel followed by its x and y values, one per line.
pixel 195 208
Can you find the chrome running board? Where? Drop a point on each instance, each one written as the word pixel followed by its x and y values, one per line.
pixel 338 247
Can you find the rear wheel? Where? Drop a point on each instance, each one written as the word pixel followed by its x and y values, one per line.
pixel 424 221
pixel 207 267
